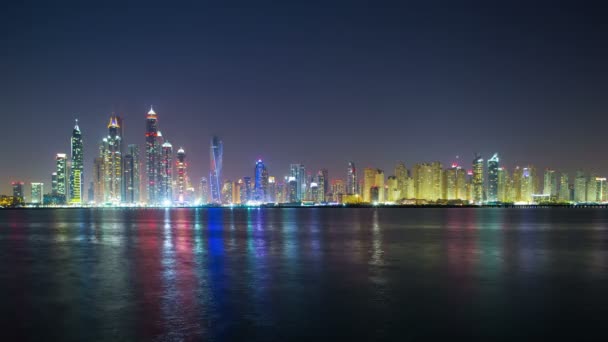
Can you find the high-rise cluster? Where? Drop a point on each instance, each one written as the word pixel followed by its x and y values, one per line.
pixel 119 179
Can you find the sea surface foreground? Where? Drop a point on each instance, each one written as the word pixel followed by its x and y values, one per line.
pixel 313 273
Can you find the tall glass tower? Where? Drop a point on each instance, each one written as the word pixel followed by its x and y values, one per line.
pixel 61 162
pixel 298 172
pixel 351 179
pixel 181 175
pixel 477 181
pixel 76 172
pixel 112 162
pixel 166 173
pixel 261 181
pixel 131 174
pixel 152 157
pixel 493 165
pixel 216 153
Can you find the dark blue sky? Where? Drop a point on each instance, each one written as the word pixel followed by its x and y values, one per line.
pixel 319 83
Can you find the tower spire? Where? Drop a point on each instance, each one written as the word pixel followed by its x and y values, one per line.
pixel 151 112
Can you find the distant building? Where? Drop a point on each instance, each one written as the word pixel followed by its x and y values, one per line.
pixel 131 176
pixel 153 154
pixel 111 153
pixel 564 187
pixel 77 168
pixel 37 193
pixel 204 191
pixel 298 172
pixel 580 187
pixel 18 192
pixel 260 182
pixel 478 180
pixel 166 173
pixel 61 187
pixel 493 165
pixel 182 175
pixel 351 179
pixel 216 153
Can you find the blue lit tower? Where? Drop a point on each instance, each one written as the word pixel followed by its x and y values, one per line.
pixel 261 181
pixel 76 171
pixel 493 165
pixel 215 173
pixel 152 151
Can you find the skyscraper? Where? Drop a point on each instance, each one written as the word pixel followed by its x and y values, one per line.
pixel 493 164
pixel 369 179
pixel 299 173
pixel 77 169
pixel 131 175
pixel 260 181
pixel 550 184
pixel 322 183
pixel 61 163
pixel 401 175
pixel 351 179
pixel 166 174
pixel 18 192
pixel 204 191
pixel 37 193
pixel 503 185
pixel 112 162
pixel 564 187
pixel 580 187
pixel 99 178
pixel 152 158
pixel 54 190
pixel 215 175
pixel 182 176
pixel 477 181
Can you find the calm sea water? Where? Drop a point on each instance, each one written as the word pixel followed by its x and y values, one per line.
pixel 285 274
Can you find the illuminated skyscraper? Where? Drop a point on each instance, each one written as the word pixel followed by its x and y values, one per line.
pixel 215 175
pixel 351 179
pixel 580 187
pixel 338 190
pixel 112 162
pixel 131 175
pixel 61 163
pixel 450 183
pixel 298 172
pixel 322 183
pixel 227 192
pixel 77 169
pixel 564 187
pixel 394 191
pixel 292 192
pixel 18 192
pixel 503 185
pixel 600 187
pixel 379 183
pixel 54 184
pixel 591 189
pixel 550 184
pixel 369 179
pixel 181 175
pixel 493 164
pixel 37 193
pixel 401 175
pixel 236 191
pixel 260 182
pixel 153 153
pixel 99 178
pixel 204 191
pixel 272 190
pixel 529 184
pixel 246 190
pixel 166 173
pixel 477 182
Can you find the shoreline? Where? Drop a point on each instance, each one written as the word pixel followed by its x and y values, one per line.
pixel 361 206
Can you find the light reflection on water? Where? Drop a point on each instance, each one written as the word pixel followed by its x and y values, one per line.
pixel 223 274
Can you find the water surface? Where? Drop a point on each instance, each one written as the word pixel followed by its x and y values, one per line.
pixel 279 274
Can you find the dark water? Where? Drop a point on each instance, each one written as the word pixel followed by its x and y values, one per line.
pixel 285 274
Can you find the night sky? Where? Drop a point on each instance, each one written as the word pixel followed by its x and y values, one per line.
pixel 318 83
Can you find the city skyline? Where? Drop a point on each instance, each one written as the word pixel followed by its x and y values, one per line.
pixel 377 89
pixel 117 179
